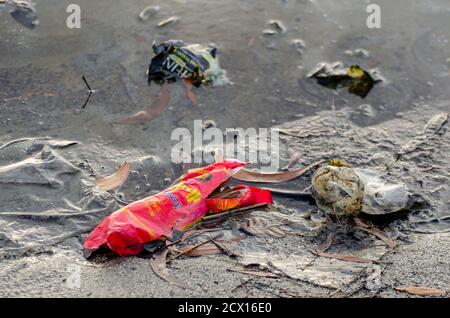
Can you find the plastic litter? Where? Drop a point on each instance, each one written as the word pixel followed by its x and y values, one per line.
pixel 126 230
pixel 334 76
pixel 196 63
pixel 341 189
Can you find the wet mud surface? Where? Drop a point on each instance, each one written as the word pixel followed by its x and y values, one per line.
pixel 49 200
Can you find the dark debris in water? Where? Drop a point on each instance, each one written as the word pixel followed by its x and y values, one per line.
pixel 335 76
pixel 25 13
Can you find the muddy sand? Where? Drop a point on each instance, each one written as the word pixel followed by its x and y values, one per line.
pixel 51 150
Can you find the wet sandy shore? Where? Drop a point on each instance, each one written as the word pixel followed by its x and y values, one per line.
pixel 43 222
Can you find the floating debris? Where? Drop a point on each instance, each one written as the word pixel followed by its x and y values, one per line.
pixel 195 63
pixel 25 13
pixel 298 45
pixel 334 76
pixel 269 32
pixel 148 12
pixel 357 53
pixel 277 25
pixel 167 21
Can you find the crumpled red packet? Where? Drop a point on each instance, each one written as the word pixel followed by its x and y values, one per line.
pixel 126 230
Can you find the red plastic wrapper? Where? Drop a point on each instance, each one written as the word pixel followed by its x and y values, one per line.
pixel 126 230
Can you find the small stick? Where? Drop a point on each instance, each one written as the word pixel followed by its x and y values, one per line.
pixel 90 93
pixel 87 84
pixel 195 246
pixel 232 211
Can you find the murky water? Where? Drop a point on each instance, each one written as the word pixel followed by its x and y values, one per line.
pixel 410 51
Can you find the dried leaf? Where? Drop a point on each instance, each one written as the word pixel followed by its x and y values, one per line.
pixel 159 265
pixel 293 159
pixel 189 92
pixel 116 179
pixel 273 177
pixel 167 21
pixel 380 234
pixel 191 233
pixel 345 257
pixel 327 243
pixel 148 12
pixel 361 223
pixel 422 291
pixel 205 249
pixel 226 247
pixel 259 226
pixel 210 248
pixel 192 248
pixel 435 124
pixel 154 111
pixel 254 273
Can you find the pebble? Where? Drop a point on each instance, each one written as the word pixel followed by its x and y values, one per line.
pixel 298 45
pixel 357 53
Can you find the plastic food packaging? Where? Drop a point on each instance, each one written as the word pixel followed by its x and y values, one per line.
pixel 126 230
pixel 196 63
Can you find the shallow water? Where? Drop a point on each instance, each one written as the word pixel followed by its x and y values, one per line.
pixel 410 51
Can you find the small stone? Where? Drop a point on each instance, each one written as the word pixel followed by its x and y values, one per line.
pixel 298 44
pixel 357 53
